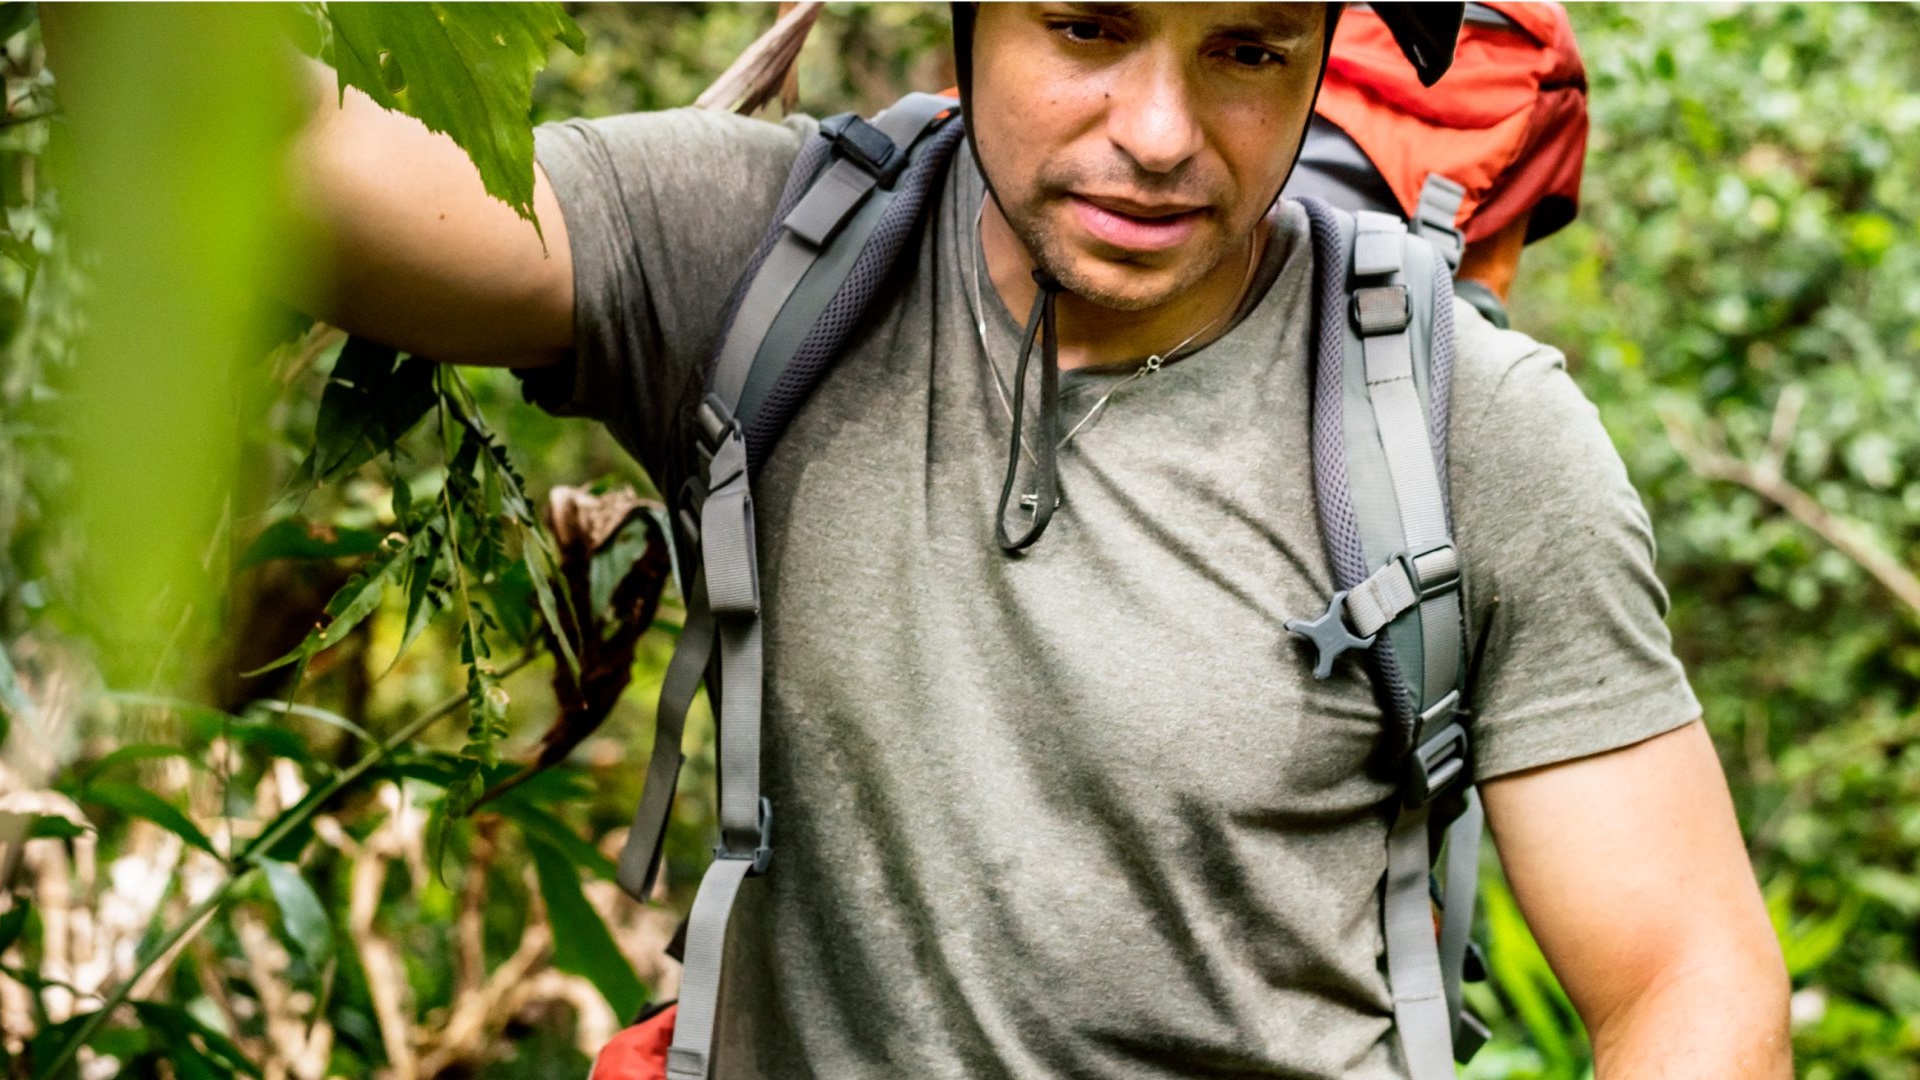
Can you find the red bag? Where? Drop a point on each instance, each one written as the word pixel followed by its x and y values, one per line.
pixel 1508 122
pixel 639 1052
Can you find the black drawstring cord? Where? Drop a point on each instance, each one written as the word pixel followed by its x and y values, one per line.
pixel 1047 496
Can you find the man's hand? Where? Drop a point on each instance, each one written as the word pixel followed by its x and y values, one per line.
pixel 1631 871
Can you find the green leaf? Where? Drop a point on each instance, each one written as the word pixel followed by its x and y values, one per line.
pixel 135 752
pixel 372 399
pixel 423 600
pixel 301 912
pixel 136 801
pixel 1811 941
pixel 463 69
pixel 14 921
pixel 582 945
pixel 181 1030
pixel 15 17
pixel 310 712
pixel 534 555
pixel 295 538
pixel 52 827
pixel 542 827
pixel 354 602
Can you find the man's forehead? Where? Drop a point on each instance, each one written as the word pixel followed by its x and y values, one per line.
pixel 1289 19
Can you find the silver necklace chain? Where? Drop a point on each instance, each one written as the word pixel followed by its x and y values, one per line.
pixel 1152 363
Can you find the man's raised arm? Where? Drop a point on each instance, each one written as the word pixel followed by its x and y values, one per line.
pixel 419 255
pixel 413 252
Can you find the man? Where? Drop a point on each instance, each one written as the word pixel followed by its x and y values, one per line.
pixel 1083 811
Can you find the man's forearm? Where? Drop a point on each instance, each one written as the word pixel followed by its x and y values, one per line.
pixel 1717 1020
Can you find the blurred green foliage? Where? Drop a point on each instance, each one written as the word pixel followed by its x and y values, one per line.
pixel 1749 236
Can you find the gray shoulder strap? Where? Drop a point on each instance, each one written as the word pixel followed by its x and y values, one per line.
pixel 855 194
pixel 1433 219
pixel 1382 382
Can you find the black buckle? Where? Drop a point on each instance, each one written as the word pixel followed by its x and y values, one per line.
pixel 1438 764
pixel 1441 572
pixel 1380 309
pixel 866 146
pixel 761 839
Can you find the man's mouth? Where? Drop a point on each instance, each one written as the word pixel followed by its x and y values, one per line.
pixel 1136 226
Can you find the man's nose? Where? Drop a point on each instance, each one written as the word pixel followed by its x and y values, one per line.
pixel 1151 114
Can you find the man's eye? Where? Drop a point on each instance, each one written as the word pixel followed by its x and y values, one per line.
pixel 1254 56
pixel 1081 31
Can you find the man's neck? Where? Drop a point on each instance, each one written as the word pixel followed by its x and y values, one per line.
pixel 1093 335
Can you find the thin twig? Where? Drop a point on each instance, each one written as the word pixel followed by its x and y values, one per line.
pixel 1765 479
pixel 757 76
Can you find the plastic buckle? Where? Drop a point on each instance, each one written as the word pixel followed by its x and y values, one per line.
pixel 1433 572
pixel 1329 634
pixel 1380 309
pixel 866 146
pixel 1439 763
pixel 761 838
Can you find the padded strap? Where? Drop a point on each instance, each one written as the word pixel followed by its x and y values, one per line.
pixel 820 238
pixel 1380 399
pixel 1434 216
pixel 809 231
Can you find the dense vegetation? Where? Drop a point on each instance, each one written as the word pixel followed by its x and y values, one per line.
pixel 326 868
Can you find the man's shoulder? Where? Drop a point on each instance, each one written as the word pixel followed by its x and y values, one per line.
pixel 1515 410
pixel 689 141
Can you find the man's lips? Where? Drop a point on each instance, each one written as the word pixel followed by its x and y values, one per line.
pixel 1133 226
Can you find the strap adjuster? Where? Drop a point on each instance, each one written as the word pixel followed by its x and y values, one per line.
pixel 1381 309
pixel 1433 572
pixel 1439 764
pixel 866 146
pixel 755 845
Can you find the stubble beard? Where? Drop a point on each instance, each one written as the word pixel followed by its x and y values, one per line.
pixel 1051 252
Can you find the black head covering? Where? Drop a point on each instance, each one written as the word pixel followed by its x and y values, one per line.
pixel 1425 33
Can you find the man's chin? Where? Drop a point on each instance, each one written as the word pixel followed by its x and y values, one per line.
pixel 1122 286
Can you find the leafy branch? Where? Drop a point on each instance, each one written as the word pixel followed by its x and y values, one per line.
pixel 1707 455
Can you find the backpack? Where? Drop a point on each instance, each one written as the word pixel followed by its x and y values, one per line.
pixel 1497 144
pixel 1381 374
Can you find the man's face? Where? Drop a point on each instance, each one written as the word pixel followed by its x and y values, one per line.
pixel 1134 147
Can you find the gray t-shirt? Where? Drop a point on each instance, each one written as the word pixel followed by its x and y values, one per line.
pixel 1083 812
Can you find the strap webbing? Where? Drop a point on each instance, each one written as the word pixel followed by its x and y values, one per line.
pixel 1456 904
pixel 689 1056
pixel 1420 1017
pixel 640 855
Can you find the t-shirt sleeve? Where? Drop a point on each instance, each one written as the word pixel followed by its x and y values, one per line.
pixel 1577 658
pixel 663 211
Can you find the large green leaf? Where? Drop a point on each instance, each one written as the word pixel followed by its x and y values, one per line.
pixel 294 538
pixel 582 945
pixel 354 602
pixel 372 399
pixel 301 912
pixel 543 827
pixel 463 69
pixel 136 801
